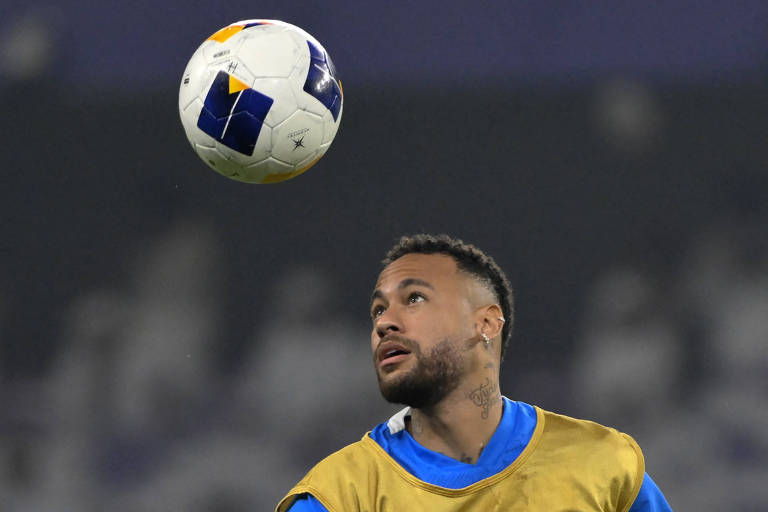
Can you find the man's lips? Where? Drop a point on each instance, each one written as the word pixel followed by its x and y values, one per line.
pixel 393 359
pixel 390 352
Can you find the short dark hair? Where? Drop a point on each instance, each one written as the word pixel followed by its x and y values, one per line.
pixel 469 259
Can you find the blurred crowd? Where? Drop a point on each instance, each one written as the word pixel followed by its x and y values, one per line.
pixel 135 413
pixel 680 361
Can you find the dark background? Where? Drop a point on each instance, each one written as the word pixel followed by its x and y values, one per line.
pixel 611 158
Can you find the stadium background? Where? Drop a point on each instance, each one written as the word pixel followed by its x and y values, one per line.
pixel 171 340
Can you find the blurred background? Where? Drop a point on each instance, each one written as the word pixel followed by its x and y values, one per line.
pixel 171 340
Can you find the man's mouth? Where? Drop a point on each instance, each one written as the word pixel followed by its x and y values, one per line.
pixel 392 357
pixel 391 352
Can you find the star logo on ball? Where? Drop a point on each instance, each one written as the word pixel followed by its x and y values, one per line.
pixel 298 143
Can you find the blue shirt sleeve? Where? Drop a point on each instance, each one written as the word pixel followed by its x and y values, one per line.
pixel 308 503
pixel 649 499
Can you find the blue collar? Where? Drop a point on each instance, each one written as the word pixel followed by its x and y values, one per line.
pixel 518 421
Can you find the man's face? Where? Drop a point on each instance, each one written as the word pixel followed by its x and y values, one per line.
pixel 422 328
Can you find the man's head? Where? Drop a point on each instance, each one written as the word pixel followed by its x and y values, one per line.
pixel 436 302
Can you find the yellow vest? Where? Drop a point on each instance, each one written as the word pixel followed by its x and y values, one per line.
pixel 569 465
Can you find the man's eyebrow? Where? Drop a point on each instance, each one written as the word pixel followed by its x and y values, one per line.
pixel 413 281
pixel 405 283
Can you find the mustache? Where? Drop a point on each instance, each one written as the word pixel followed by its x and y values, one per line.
pixel 402 340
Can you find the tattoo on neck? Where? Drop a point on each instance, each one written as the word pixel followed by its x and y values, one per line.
pixel 466 458
pixel 485 397
pixel 489 365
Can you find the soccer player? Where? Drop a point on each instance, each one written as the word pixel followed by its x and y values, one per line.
pixel 442 316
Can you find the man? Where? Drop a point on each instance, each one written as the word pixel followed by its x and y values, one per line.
pixel 442 316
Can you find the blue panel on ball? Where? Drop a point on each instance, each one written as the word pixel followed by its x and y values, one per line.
pixel 234 119
pixel 315 53
pixel 256 103
pixel 322 82
pixel 218 101
pixel 239 135
pixel 210 124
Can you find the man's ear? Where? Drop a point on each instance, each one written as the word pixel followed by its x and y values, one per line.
pixel 490 321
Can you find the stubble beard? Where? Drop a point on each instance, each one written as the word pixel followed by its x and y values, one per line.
pixel 430 380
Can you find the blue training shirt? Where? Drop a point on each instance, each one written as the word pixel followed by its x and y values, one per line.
pixel 518 422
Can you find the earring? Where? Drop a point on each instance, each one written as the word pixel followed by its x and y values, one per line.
pixel 486 339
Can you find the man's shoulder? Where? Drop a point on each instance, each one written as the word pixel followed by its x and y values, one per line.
pixel 578 426
pixel 331 476
pixel 561 431
pixel 352 456
pixel 569 448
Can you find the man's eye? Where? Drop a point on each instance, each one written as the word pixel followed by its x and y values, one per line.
pixel 415 297
pixel 377 311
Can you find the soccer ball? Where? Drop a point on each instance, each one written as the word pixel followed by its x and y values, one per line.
pixel 260 101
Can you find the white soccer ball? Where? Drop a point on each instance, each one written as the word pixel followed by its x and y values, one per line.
pixel 260 101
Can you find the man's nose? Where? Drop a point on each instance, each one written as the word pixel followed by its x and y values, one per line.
pixel 388 322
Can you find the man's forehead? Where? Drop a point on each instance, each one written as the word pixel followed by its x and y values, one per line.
pixel 427 267
pixel 436 271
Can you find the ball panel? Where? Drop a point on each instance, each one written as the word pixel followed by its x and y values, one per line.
pixel 189 116
pixel 267 52
pixel 225 33
pixel 218 162
pixel 299 169
pixel 261 150
pixel 216 52
pixel 330 127
pixel 233 114
pixel 297 137
pixel 320 82
pixel 262 171
pixel 192 80
pixel 284 96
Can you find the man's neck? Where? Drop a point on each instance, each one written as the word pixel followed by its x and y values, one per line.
pixel 461 425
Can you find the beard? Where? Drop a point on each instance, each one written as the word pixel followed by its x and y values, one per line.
pixel 431 378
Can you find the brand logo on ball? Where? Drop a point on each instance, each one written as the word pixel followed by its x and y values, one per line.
pixel 233 113
pixel 298 143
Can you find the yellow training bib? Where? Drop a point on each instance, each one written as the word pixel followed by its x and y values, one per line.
pixel 569 465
